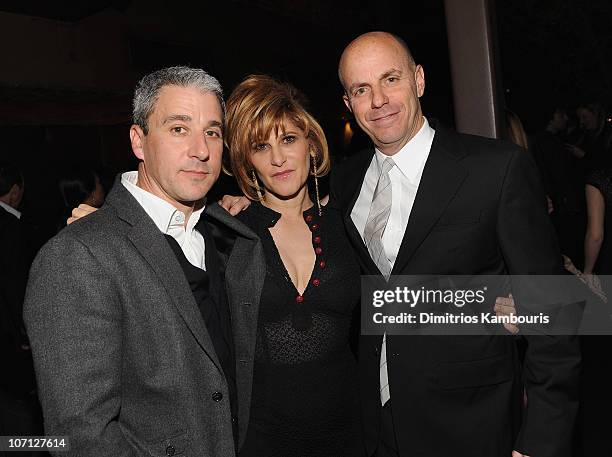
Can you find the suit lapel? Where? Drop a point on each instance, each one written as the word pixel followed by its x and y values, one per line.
pixel 442 178
pixel 354 186
pixel 151 244
pixel 161 259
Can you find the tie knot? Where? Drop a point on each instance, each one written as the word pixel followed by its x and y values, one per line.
pixel 387 165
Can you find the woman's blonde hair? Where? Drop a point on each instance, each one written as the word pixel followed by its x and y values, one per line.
pixel 257 106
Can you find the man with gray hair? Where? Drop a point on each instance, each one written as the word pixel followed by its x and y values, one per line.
pixel 127 311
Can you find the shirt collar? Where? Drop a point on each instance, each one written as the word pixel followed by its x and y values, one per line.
pixel 411 158
pixel 11 210
pixel 165 216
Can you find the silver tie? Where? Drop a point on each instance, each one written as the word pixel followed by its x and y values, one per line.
pixel 372 236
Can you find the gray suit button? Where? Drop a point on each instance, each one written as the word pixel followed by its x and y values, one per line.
pixel 217 396
pixel 170 450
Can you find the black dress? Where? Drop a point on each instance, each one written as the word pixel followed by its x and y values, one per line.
pixel 305 395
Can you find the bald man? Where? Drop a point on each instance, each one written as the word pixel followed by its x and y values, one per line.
pixel 452 204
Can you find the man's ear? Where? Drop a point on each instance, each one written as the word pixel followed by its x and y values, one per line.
pixel 137 140
pixel 14 195
pixel 14 190
pixel 419 77
pixel 347 102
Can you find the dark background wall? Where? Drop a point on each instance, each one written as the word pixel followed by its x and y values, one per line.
pixel 554 52
pixel 69 67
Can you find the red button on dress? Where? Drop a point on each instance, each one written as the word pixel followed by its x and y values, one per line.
pixel 314 227
pixel 317 239
pixel 309 218
pixel 299 299
pixel 318 251
pixel 316 282
pixel 322 264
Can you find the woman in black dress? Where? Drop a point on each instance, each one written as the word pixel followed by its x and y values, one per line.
pixel 304 395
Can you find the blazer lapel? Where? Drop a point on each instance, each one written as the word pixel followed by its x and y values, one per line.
pixel 212 259
pixel 151 244
pixel 242 256
pixel 442 178
pixel 216 274
pixel 243 263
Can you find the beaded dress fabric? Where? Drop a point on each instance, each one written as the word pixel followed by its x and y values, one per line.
pixel 305 398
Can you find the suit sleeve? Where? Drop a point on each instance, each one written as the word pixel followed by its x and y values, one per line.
pixel 552 363
pixel 73 318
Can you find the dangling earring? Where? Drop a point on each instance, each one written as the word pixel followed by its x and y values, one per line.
pixel 257 188
pixel 314 172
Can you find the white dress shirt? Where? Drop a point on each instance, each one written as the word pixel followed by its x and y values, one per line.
pixel 405 178
pixel 11 210
pixel 170 220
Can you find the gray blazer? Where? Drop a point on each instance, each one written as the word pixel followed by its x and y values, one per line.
pixel 124 363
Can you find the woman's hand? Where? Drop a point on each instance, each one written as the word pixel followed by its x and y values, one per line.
pixel 593 281
pixel 81 211
pixel 234 204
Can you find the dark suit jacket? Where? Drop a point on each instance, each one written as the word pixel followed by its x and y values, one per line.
pixel 124 362
pixel 479 209
pixel 14 264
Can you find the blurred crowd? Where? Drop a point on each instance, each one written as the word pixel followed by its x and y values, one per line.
pixel 574 155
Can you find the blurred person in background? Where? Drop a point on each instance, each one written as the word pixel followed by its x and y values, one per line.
pixel 595 143
pixel 563 125
pixel 13 259
pixel 515 131
pixel 597 242
pixel 596 399
pixel 563 183
pixel 19 409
